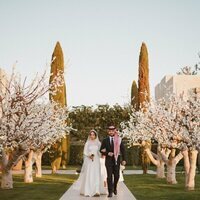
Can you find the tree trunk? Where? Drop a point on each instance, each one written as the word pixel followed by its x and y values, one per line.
pixel 160 172
pixel 18 166
pixel 56 157
pixel 171 166
pixel 55 165
pixel 145 158
pixel 171 172
pixel 186 166
pixel 28 172
pixel 158 162
pixel 68 147
pixel 161 167
pixel 38 161
pixel 192 171
pixel 7 180
pixel 7 164
pixel 155 160
pixel 198 161
pixel 64 152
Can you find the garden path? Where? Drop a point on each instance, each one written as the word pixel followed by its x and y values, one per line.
pixel 123 194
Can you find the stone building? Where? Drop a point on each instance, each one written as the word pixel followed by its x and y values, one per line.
pixel 179 85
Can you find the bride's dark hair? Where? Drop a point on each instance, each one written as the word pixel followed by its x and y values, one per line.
pixel 93 131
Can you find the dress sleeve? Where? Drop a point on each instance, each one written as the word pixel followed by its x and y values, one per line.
pixel 85 151
pixel 99 147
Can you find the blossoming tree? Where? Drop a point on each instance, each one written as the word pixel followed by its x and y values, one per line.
pixel 27 123
pixel 174 124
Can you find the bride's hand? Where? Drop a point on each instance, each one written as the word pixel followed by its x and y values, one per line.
pixel 110 154
pixel 103 150
pixel 91 156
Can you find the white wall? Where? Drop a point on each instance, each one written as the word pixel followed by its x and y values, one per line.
pixel 177 84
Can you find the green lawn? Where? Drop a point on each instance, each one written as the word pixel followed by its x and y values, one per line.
pixel 49 187
pixel 144 187
pixel 69 167
pixel 152 167
pixel 147 187
pixel 131 167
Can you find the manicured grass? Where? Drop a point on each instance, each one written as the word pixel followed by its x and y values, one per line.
pixel 132 167
pixel 50 187
pixel 69 167
pixel 147 187
pixel 152 167
pixel 144 187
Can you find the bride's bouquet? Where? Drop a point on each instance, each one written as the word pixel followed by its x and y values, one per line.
pixel 92 156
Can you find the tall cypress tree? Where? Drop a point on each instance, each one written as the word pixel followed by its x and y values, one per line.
pixel 144 95
pixel 134 95
pixel 61 148
pixel 143 80
pixel 57 65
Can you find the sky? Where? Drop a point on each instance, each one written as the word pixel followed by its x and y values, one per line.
pixel 101 41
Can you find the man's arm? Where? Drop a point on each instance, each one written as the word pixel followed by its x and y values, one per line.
pixel 103 147
pixel 123 153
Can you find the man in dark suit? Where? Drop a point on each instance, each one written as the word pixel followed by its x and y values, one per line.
pixel 113 158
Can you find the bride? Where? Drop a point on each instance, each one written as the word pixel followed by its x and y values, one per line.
pixel 90 180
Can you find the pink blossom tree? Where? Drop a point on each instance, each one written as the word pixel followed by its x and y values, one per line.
pixel 174 124
pixel 28 122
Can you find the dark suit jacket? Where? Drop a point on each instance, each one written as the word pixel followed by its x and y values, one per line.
pixel 110 160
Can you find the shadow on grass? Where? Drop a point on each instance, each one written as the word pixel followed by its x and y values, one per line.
pixel 49 187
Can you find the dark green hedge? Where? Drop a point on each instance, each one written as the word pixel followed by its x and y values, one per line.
pixel 46 159
pixel 76 154
pixel 132 156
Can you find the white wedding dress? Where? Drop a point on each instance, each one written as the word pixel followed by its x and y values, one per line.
pixel 90 181
pixel 104 189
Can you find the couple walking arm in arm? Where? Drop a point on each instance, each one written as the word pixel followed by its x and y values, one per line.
pixel 114 151
pixel 91 181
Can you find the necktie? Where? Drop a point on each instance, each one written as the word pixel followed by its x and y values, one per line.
pixel 112 144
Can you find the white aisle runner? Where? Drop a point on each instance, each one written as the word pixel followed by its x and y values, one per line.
pixel 123 194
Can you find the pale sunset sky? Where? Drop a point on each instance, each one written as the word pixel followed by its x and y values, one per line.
pixel 101 42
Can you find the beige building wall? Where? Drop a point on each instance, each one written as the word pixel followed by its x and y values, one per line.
pixel 177 84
